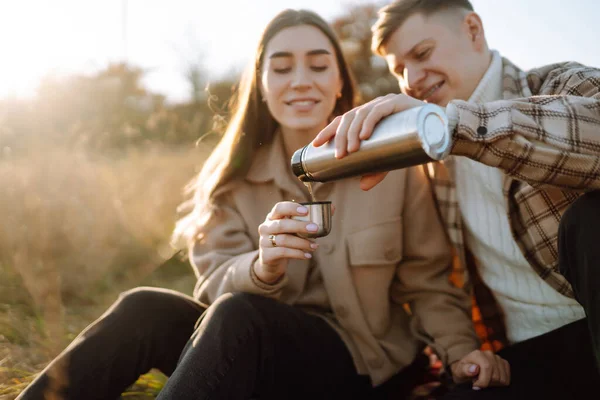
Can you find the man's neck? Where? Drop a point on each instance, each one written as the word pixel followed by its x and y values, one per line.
pixel 485 66
pixel 489 86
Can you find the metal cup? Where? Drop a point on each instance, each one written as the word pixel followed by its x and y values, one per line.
pixel 319 213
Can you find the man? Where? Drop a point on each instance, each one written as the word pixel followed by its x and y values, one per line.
pixel 516 194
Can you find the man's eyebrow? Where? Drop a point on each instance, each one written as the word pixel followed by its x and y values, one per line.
pixel 414 48
pixel 409 52
pixel 316 52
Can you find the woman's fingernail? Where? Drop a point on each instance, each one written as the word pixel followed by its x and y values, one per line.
pixel 476 388
pixel 307 255
pixel 472 368
pixel 302 210
pixel 314 246
pixel 312 227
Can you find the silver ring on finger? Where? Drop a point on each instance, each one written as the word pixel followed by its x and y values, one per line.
pixel 272 240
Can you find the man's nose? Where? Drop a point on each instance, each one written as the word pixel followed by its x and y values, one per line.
pixel 413 75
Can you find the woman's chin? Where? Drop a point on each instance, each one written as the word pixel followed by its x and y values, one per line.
pixel 305 124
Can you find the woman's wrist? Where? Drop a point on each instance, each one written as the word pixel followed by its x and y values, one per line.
pixel 265 277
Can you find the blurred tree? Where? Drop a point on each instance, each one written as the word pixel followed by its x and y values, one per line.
pixel 110 110
pixel 370 71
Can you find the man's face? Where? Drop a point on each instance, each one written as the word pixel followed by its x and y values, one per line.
pixel 438 58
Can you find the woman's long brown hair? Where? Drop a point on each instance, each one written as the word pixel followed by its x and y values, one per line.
pixel 251 126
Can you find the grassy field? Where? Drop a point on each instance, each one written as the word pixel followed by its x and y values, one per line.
pixel 77 229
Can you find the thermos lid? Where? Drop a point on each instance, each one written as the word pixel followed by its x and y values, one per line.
pixel 433 131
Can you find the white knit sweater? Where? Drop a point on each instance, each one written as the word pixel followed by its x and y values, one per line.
pixel 530 305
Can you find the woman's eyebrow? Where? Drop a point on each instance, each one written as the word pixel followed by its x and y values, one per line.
pixel 279 54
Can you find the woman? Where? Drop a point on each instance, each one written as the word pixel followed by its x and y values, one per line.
pixel 287 317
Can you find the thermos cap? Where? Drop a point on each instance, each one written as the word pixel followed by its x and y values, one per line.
pixel 433 131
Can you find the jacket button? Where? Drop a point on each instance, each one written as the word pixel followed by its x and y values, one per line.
pixel 341 312
pixel 482 130
pixel 375 363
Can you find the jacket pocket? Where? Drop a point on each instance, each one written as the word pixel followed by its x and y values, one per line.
pixel 379 244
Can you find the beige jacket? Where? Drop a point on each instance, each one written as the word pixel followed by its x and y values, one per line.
pixel 386 248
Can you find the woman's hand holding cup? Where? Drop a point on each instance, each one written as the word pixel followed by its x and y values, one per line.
pixel 279 240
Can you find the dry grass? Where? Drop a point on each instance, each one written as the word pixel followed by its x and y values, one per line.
pixel 77 228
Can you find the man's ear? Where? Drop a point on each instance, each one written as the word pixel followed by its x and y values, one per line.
pixel 474 27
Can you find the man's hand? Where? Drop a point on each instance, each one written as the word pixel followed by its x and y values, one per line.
pixel 483 368
pixel 358 124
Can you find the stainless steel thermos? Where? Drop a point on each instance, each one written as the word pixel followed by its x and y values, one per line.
pixel 413 137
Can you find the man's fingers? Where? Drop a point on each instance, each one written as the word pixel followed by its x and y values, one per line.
pixel 368 182
pixel 341 136
pixel 485 375
pixel 355 129
pixel 507 369
pixel 378 112
pixel 327 133
pixel 504 371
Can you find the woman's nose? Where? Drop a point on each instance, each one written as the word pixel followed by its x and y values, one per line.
pixel 300 79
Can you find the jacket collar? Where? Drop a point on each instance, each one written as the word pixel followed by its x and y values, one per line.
pixel 270 164
pixel 265 161
pixel 514 81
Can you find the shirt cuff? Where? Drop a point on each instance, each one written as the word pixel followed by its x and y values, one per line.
pixel 458 351
pixel 452 114
pixel 246 280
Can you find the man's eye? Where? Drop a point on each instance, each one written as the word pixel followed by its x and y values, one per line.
pixel 423 54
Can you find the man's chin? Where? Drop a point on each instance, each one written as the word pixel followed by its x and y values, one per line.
pixel 443 102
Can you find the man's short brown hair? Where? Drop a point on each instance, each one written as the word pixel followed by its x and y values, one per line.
pixel 392 16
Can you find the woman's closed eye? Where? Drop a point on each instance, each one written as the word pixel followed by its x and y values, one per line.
pixel 283 70
pixel 319 68
pixel 315 68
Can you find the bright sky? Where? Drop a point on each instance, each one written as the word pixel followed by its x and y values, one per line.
pixel 38 37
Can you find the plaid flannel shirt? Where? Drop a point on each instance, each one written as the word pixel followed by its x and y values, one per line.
pixel 545 136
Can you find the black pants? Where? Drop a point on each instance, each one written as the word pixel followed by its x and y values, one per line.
pixel 562 364
pixel 246 347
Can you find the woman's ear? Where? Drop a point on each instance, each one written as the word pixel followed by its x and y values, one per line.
pixel 340 88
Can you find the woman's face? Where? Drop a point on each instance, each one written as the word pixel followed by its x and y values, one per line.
pixel 300 78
